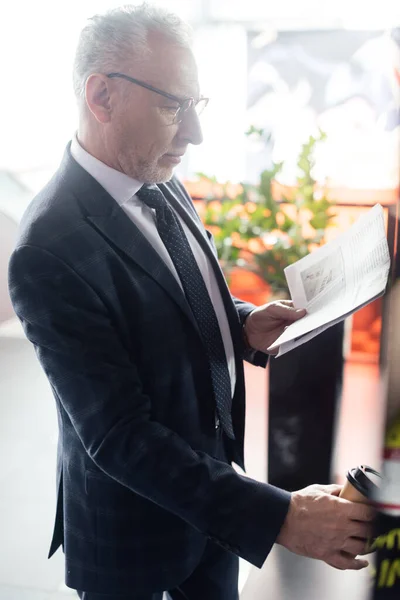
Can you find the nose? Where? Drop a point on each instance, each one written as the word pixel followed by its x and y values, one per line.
pixel 189 131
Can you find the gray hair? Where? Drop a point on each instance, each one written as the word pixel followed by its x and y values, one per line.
pixel 109 38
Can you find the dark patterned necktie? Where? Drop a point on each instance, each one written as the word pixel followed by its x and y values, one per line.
pixel 175 241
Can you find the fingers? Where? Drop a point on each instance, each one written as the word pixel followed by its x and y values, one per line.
pixel 336 489
pixel 321 525
pixel 285 312
pixel 360 529
pixel 355 546
pixel 285 302
pixel 344 561
pixel 361 512
pixel 333 489
pixel 367 549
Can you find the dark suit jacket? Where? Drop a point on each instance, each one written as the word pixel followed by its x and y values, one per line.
pixel 139 488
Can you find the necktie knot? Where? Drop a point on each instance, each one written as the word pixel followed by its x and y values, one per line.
pixel 152 197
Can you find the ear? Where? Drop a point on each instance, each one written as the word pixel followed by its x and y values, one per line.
pixel 97 95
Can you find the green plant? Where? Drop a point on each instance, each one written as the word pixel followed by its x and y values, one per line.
pixel 256 231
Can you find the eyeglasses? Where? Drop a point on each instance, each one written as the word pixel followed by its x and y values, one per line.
pixel 184 104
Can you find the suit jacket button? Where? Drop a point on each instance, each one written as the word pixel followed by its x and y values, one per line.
pixel 217 423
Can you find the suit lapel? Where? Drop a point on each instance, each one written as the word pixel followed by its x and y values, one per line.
pixel 105 214
pixel 124 234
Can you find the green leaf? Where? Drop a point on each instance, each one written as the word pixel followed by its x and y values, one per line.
pixel 253 224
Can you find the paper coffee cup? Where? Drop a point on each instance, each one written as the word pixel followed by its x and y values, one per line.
pixel 360 484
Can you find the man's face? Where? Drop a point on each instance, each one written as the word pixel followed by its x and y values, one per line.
pixel 141 136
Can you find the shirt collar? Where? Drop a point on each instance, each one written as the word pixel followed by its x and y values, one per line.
pixel 120 186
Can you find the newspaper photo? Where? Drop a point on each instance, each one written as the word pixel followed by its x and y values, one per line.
pixel 337 279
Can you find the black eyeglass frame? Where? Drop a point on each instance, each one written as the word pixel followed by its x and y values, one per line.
pixel 184 104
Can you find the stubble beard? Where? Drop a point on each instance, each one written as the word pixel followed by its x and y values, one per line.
pixel 149 173
pixel 143 171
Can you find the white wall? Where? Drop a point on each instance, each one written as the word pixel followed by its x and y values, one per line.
pixel 8 232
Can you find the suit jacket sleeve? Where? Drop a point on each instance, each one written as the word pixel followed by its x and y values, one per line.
pixel 259 359
pixel 99 387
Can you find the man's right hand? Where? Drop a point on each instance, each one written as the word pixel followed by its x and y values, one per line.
pixel 321 525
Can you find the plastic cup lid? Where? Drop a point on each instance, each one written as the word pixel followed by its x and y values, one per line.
pixel 364 479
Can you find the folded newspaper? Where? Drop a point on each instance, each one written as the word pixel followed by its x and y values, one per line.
pixel 338 279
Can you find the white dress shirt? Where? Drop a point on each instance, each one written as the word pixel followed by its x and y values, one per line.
pixel 123 189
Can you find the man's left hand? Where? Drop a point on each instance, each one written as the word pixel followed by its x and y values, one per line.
pixel 266 323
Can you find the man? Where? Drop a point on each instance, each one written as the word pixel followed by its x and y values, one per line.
pixel 119 289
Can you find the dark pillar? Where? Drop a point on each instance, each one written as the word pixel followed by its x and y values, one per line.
pixel 305 387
